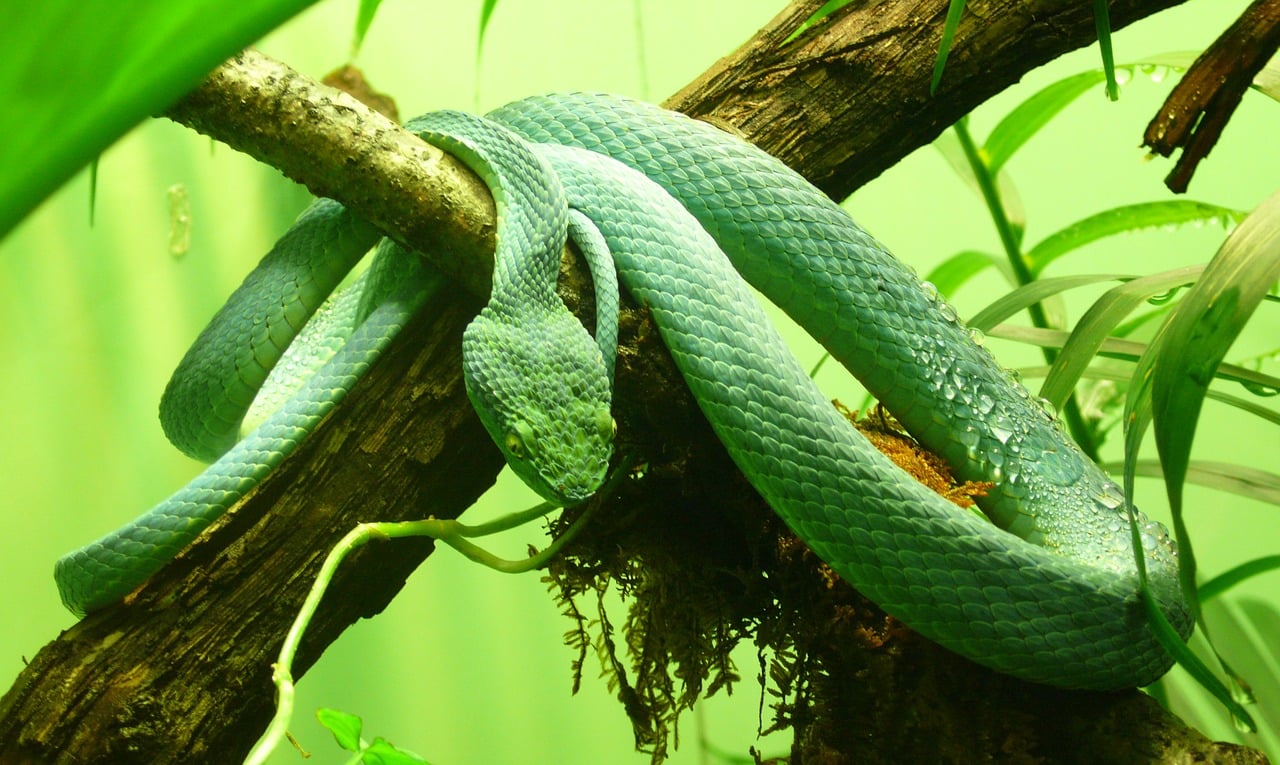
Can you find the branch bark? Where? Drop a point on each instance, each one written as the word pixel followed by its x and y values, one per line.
pixel 179 671
pixel 1196 111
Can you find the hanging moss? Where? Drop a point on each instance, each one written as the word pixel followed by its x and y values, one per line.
pixel 703 564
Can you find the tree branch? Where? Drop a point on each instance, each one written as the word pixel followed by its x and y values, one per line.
pixel 1199 106
pixel 179 671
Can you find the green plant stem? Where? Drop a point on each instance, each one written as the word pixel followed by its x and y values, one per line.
pixel 450 532
pixel 1071 413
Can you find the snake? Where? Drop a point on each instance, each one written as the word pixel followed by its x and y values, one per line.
pixel 697 223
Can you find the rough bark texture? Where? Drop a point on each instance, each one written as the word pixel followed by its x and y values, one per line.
pixel 1202 102
pixel 179 671
pixel 850 98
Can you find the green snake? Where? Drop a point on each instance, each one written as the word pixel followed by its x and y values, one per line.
pixel 1047 590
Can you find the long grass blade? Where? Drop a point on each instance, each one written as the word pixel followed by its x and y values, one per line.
pixel 827 8
pixel 1126 350
pixel 1026 119
pixel 1102 20
pixel 954 12
pixel 1173 377
pixel 1216 586
pixel 1137 418
pixel 1017 300
pixel 1121 376
pixel 93 188
pixel 1099 321
pixel 1127 218
pixel 486 12
pixel 952 273
pixel 364 19
pixel 1240 480
pixel 1201 330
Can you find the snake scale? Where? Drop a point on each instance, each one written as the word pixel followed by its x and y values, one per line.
pixel 693 218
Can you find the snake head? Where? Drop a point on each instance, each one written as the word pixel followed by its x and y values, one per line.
pixel 542 392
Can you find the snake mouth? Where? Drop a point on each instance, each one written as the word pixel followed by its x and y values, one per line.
pixel 580 491
pixel 577 485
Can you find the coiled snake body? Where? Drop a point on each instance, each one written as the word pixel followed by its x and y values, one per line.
pixel 1048 592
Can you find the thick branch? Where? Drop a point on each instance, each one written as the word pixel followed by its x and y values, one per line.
pixel 341 149
pixel 842 103
pixel 1198 108
pixel 849 99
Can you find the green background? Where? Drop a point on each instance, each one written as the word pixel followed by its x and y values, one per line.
pixel 467 666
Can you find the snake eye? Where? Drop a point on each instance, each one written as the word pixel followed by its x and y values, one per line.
pixel 519 441
pixel 605 424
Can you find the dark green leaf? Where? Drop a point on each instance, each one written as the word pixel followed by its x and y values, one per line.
pixel 74 82
pixel 486 11
pixel 1102 20
pixel 826 10
pixel 944 48
pixel 364 19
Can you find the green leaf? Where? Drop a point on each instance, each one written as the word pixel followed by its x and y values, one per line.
pixel 1267 81
pixel 382 752
pixel 76 78
pixel 1028 117
pixel 1173 377
pixel 1112 348
pixel 1102 20
pixel 486 11
pixel 948 144
pixel 1029 294
pixel 1129 350
pixel 1230 578
pixel 1137 417
pixel 829 7
pixel 1097 323
pixel 1261 485
pixel 364 19
pixel 1193 343
pixel 1118 220
pixel 949 275
pixel 1182 653
pixel 944 47
pixel 93 188
pixel 344 726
